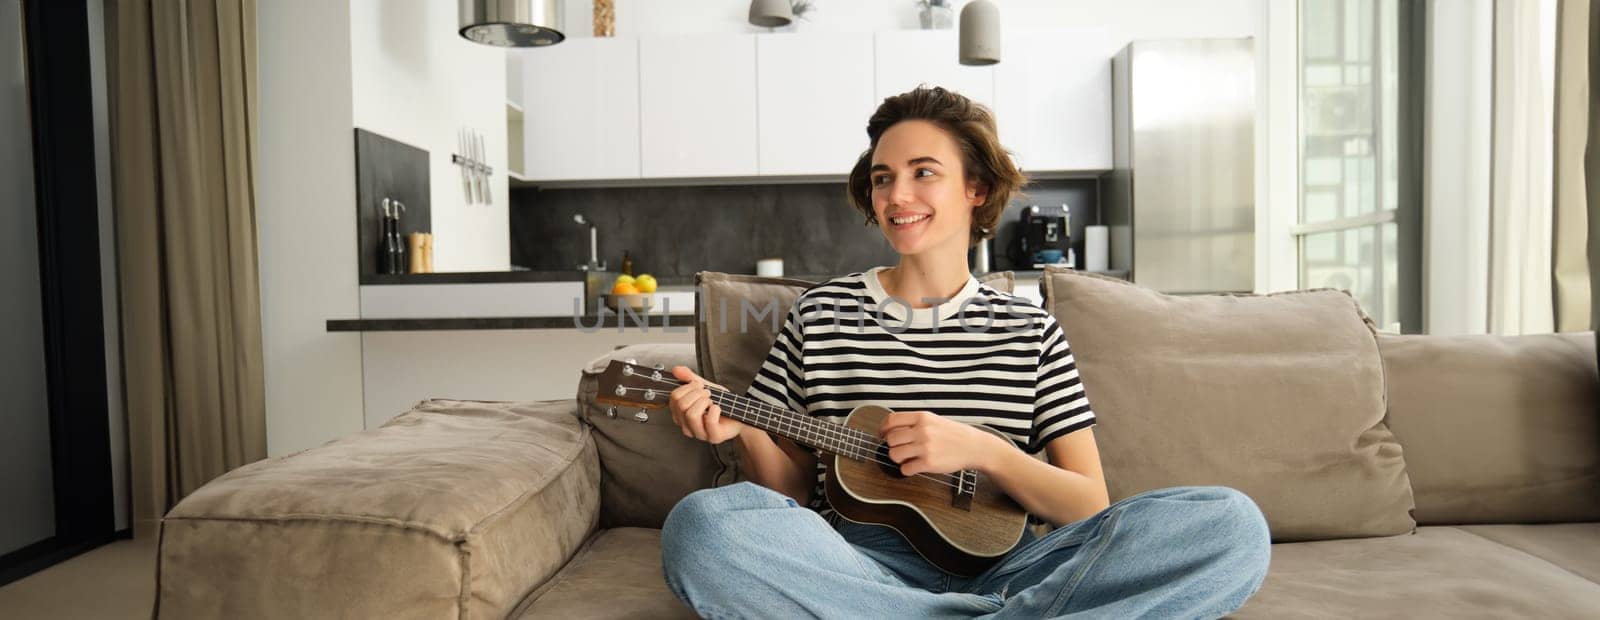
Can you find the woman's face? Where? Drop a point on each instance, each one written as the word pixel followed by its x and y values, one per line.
pixel 920 191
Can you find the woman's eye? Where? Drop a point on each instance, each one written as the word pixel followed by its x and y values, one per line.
pixel 922 170
pixel 880 180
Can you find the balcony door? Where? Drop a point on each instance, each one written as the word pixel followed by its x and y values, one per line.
pixel 55 451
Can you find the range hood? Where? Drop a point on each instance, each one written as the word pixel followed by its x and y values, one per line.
pixel 512 23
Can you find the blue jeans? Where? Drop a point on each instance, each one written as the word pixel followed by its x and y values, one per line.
pixel 746 551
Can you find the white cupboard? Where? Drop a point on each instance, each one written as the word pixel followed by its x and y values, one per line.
pixel 794 104
pixel 697 106
pixel 580 105
pixel 908 58
pixel 814 96
pixel 1053 99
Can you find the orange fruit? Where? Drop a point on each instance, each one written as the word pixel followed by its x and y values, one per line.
pixel 624 288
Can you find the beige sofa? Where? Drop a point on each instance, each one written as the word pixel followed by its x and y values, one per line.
pixel 1402 476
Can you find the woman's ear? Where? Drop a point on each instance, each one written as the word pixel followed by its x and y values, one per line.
pixel 977 192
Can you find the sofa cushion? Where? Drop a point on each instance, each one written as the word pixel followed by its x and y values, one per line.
pixel 1438 572
pixel 739 318
pixel 1497 429
pixel 617 575
pixel 452 510
pixel 1279 396
pixel 646 463
pixel 1572 546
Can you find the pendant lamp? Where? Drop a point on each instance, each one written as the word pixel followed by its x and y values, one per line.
pixel 512 23
pixel 980 33
pixel 770 13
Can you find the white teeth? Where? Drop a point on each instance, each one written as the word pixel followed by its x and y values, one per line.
pixel 910 219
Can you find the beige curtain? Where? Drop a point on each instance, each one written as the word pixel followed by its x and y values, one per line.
pixel 1574 133
pixel 183 118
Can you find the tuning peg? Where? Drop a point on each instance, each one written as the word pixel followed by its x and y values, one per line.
pixel 641 417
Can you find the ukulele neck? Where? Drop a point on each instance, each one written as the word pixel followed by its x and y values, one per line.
pixel 800 428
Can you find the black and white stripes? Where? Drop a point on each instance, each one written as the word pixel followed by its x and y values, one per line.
pixel 984 357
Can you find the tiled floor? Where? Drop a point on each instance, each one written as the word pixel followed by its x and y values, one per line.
pixel 114 581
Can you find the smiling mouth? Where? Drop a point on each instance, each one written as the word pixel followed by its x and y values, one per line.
pixel 907 220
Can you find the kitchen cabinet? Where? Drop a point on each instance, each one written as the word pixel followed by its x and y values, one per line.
pixel 792 104
pixel 1052 93
pixel 905 59
pixel 814 94
pixel 580 105
pixel 698 106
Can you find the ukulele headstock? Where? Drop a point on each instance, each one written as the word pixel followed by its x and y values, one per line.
pixel 632 385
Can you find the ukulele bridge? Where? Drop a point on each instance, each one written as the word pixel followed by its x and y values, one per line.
pixel 966 487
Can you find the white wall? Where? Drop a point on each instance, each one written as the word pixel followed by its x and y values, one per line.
pixel 416 80
pixel 1456 166
pixel 1273 23
pixel 306 230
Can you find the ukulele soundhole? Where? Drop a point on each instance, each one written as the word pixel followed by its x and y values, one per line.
pixel 888 464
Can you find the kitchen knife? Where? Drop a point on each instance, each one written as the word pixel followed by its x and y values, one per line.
pixel 484 160
pixel 466 175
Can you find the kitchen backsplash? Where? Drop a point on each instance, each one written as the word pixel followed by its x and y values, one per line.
pixel 677 231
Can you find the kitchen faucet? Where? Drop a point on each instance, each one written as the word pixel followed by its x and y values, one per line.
pixel 594 264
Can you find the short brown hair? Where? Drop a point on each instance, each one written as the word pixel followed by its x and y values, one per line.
pixel 971 125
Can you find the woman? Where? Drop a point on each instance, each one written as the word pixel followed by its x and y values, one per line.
pixel 935 180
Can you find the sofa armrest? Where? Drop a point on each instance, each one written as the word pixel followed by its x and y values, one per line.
pixel 454 509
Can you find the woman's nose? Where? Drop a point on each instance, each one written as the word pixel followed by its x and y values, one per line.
pixel 899 192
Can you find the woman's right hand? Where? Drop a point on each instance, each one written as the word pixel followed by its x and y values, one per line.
pixel 695 414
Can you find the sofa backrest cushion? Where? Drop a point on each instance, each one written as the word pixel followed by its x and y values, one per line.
pixel 1497 429
pixel 1279 396
pixel 646 464
pixel 739 318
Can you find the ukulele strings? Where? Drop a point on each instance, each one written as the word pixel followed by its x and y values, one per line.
pixel 835 431
pixel 870 449
pixel 848 437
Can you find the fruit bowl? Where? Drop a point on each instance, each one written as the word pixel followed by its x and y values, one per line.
pixel 637 302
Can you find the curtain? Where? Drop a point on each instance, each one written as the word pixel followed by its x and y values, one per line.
pixel 181 77
pixel 1520 225
pixel 1574 133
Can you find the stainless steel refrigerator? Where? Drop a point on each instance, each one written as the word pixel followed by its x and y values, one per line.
pixel 1180 199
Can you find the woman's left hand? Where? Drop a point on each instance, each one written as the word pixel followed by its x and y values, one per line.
pixel 925 442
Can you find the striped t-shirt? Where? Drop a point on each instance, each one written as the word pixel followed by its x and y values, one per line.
pixel 983 357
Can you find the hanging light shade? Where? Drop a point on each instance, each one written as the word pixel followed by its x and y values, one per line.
pixel 980 33
pixel 512 23
pixel 770 13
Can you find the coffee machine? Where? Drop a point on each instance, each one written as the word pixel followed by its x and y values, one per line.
pixel 1045 237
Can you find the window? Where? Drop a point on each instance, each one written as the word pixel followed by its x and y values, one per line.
pixel 1360 198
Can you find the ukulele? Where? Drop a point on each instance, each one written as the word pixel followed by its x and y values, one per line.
pixel 960 522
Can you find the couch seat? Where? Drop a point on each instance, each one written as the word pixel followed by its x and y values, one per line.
pixel 1490 571
pixel 616 575
pixel 1439 572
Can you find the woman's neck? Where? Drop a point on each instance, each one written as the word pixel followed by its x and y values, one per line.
pixel 921 276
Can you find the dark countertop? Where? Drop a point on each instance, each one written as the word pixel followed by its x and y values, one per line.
pixel 488 277
pixel 475 277
pixel 1034 274
pixel 587 322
